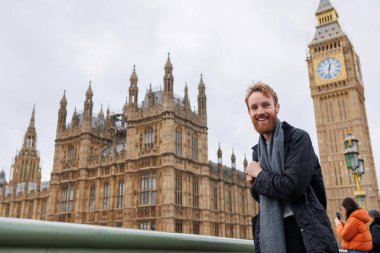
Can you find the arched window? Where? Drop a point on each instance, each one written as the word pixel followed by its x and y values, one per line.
pixel 148 137
pixel 194 148
pixel 178 141
pixel 92 197
pixel 71 154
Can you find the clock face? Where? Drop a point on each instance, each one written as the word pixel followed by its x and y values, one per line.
pixel 329 68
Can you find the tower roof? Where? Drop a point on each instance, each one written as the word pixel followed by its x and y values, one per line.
pixel 168 64
pixel 328 26
pixel 134 75
pixel 63 100
pixel 89 92
pixel 31 123
pixel 201 83
pixel 324 5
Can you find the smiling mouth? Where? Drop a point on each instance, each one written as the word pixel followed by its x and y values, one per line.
pixel 262 119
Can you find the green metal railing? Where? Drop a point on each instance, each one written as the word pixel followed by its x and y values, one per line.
pixel 22 235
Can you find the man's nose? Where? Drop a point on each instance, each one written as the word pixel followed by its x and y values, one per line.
pixel 260 110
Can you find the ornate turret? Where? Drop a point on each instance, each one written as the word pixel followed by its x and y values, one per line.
pixel 75 119
pixel 219 153
pixel 186 101
pixel 27 161
pixel 88 104
pixel 30 137
pixel 168 81
pixel 245 162
pixel 133 89
pixel 108 119
pixel 101 114
pixel 62 113
pixel 202 110
pixel 233 161
pixel 150 97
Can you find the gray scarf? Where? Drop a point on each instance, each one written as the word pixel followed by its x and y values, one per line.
pixel 272 237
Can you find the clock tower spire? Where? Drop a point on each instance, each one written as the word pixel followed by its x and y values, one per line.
pixel 337 90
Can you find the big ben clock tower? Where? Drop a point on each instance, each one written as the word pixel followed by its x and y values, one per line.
pixel 337 90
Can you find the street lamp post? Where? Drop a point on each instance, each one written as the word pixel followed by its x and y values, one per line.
pixel 355 164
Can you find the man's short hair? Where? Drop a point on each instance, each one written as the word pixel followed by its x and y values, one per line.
pixel 374 213
pixel 264 89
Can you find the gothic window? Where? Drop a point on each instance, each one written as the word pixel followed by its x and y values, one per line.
pixel 229 231
pixel 178 190
pixel 71 198
pixel 64 197
pixel 148 225
pixel 7 209
pixel 194 148
pixel 195 193
pixel 106 195
pixel 148 189
pixel 215 229
pixel 120 194
pixel 242 201
pixel 18 211
pixel 30 209
pixel 215 196
pixel 178 141
pixel 196 226
pixel 178 226
pixel 148 137
pixel 230 201
pixel 71 154
pixel 43 209
pixel 92 197
pixel 29 142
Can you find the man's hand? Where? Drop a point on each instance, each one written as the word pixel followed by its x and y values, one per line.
pixel 252 171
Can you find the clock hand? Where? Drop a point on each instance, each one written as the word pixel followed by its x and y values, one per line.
pixel 329 67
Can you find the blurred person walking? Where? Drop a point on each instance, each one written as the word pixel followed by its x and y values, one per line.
pixel 355 234
pixel 374 227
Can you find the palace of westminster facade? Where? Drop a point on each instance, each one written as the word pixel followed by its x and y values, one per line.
pixel 148 167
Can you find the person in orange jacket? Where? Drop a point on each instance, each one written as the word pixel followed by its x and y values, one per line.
pixel 355 234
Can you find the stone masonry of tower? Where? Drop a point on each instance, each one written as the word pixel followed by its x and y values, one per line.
pixel 144 168
pixel 337 90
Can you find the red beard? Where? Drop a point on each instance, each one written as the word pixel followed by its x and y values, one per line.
pixel 267 126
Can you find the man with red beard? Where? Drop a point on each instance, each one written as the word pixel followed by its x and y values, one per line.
pixel 287 181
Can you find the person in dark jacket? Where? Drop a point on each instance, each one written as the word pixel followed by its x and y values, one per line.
pixel 287 181
pixel 374 226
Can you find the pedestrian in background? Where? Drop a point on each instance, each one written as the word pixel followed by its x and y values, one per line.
pixel 355 234
pixel 374 227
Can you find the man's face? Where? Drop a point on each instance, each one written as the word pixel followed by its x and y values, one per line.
pixel 263 112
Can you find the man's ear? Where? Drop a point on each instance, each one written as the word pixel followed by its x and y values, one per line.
pixel 278 108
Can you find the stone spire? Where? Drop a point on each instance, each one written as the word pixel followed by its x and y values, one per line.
pixel 324 5
pixel 168 81
pixel 233 160
pixel 62 114
pixel 219 153
pixel 150 97
pixel 75 119
pixel 133 89
pixel 30 137
pixel 186 101
pixel 202 108
pixel 245 162
pixel 88 104
pixel 101 114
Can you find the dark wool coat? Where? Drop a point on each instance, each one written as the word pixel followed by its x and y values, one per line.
pixel 302 185
pixel 375 232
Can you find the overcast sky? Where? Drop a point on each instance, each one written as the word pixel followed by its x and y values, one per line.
pixel 47 47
